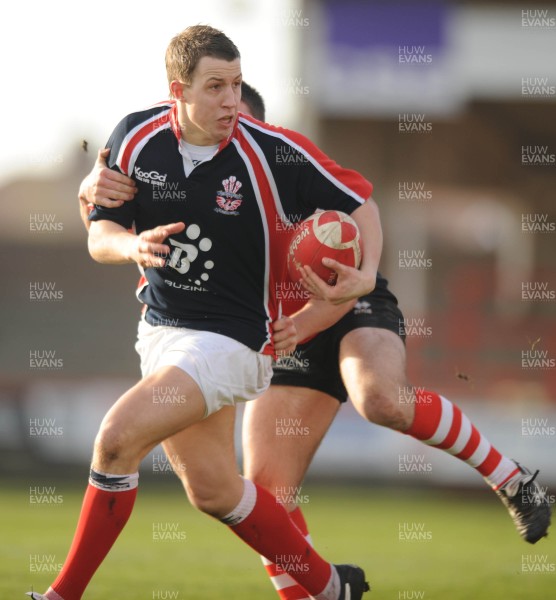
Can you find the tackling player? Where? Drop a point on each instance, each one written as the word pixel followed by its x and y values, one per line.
pixel 211 258
pixel 363 352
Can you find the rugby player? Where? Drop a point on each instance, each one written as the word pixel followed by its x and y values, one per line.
pixel 212 261
pixel 363 354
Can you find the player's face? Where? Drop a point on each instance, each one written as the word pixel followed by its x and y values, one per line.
pixel 211 102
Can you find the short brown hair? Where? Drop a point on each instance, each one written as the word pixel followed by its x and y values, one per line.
pixel 188 47
pixel 254 101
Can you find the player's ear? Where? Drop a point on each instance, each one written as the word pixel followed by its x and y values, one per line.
pixel 176 88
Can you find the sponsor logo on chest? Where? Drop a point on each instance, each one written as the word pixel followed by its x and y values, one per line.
pixel 162 189
pixel 152 177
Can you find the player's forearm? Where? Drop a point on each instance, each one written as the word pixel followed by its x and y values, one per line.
pixel 367 218
pixel 318 315
pixel 84 213
pixel 110 243
pixel 84 203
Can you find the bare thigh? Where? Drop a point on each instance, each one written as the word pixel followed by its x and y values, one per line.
pixel 372 362
pixel 139 421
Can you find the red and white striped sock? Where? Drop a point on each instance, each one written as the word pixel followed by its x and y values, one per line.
pixel 284 584
pixel 441 424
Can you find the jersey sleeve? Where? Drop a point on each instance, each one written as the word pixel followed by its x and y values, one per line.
pixel 324 184
pixel 306 177
pixel 123 215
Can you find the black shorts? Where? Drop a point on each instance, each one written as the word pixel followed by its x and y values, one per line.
pixel 316 363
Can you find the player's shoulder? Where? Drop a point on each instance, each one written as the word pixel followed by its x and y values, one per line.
pixel 285 145
pixel 136 130
pixel 152 116
pixel 274 134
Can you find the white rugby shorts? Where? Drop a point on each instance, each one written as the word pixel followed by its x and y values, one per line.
pixel 225 370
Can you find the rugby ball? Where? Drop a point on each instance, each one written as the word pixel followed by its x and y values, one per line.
pixel 325 234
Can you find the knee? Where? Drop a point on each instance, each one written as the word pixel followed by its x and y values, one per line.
pixel 209 499
pixel 108 444
pixel 384 407
pixel 111 446
pixel 205 502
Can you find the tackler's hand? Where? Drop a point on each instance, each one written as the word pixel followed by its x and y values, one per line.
pixel 350 283
pixel 285 336
pixel 106 187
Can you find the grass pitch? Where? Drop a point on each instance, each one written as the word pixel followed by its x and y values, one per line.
pixel 429 545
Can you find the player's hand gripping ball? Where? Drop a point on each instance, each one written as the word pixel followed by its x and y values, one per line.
pixel 325 234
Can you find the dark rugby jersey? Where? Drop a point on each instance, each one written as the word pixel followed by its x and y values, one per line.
pixel 226 268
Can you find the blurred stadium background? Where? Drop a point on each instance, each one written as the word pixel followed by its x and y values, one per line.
pixel 434 103
pixel 448 108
